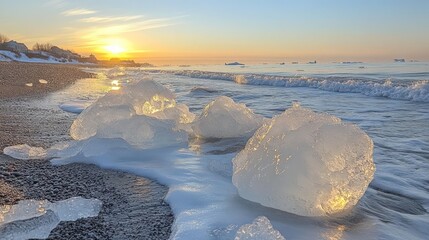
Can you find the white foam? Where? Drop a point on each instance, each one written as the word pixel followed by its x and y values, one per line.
pixel 25 152
pixel 401 90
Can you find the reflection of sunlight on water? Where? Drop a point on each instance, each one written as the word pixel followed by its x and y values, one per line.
pixel 115 85
pixel 335 233
pixel 3 211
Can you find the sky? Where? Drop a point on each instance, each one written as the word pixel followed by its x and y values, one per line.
pixel 217 31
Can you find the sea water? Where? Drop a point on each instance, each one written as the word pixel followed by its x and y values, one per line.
pixel 390 102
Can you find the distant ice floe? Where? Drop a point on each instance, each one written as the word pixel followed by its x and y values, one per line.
pixel 223 118
pixel 29 84
pixel 30 219
pixel 314 164
pixel 259 229
pixel 43 81
pixel 25 152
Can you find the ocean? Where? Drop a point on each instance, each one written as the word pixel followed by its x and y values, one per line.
pixel 390 102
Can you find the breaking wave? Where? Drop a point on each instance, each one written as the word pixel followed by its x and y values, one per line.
pixel 409 90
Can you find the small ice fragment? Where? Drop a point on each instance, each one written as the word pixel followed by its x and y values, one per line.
pixel 43 81
pixel 223 118
pixel 75 208
pixel 306 163
pixel 74 107
pixel 38 227
pixel 31 219
pixel 29 84
pixel 259 229
pixel 25 152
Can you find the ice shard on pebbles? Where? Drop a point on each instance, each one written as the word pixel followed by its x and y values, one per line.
pixel 25 152
pixel 31 219
pixel 305 163
pixel 223 118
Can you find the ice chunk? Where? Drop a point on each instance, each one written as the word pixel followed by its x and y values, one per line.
pixel 223 118
pixel 306 163
pixel 144 131
pixel 36 219
pixel 259 229
pixel 25 152
pixel 111 107
pixel 75 208
pixel 74 107
pixel 146 97
pixel 29 84
pixel 38 227
pixel 43 81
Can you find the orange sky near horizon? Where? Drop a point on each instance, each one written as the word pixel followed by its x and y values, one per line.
pixel 195 32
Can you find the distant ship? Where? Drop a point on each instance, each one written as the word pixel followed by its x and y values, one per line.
pixel 314 62
pixel 234 64
pixel 294 62
pixel 282 63
pixel 399 60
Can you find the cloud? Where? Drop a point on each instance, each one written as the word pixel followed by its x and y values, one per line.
pixel 114 30
pixel 77 12
pixel 110 19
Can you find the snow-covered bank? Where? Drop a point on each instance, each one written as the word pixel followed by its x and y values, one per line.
pixel 8 56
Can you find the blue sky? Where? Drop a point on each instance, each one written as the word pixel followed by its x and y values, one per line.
pixel 191 30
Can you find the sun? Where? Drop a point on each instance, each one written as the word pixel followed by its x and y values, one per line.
pixel 115 49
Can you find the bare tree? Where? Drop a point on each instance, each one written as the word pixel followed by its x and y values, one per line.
pixel 46 47
pixel 3 38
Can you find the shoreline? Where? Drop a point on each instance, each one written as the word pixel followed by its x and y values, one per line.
pixel 15 75
pixel 133 206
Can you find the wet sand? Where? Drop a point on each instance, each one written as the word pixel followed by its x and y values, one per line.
pixel 133 207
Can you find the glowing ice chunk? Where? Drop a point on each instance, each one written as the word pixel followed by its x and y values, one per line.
pixel 144 132
pixel 223 118
pixel 25 152
pixel 146 97
pixel 306 163
pixel 259 229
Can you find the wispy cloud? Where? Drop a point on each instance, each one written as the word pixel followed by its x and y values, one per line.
pixel 110 19
pixel 100 32
pixel 78 11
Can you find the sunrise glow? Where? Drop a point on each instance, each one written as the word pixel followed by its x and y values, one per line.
pixel 115 49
